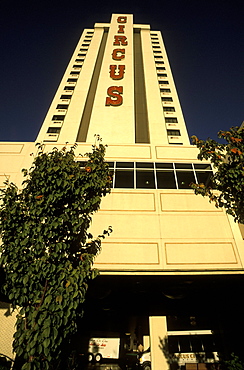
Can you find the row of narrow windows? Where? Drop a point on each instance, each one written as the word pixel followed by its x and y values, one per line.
pixel 162 82
pixel 71 80
pixel 60 117
pixel 208 343
pixel 75 75
pixel 151 175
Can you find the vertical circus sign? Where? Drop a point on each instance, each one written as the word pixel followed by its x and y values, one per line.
pixel 117 71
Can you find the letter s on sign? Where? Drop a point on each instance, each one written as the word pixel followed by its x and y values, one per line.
pixel 115 98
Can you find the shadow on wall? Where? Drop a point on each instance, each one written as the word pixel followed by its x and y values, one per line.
pixel 5 306
pixel 172 359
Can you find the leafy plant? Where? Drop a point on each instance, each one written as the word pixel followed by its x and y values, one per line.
pixel 234 363
pixel 228 179
pixel 47 252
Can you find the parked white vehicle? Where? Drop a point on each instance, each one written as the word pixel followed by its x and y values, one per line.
pixel 100 348
pixel 145 359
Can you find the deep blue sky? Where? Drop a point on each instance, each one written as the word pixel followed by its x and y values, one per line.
pixel 203 38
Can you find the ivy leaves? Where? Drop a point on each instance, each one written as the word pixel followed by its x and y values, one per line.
pixel 228 179
pixel 47 252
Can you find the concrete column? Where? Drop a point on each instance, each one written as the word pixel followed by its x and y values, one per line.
pixel 158 333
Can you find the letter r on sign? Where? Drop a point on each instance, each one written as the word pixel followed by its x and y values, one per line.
pixel 120 40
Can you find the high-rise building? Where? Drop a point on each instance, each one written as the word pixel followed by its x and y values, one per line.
pixel 173 261
pixel 118 84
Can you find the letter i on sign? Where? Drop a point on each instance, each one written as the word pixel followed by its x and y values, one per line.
pixel 121 28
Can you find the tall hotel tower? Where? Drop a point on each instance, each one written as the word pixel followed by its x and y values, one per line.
pixel 172 269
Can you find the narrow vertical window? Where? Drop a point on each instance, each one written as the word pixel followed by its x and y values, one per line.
pixel 141 117
pixel 86 116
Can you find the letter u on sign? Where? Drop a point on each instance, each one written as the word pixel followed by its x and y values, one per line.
pixel 119 74
pixel 114 97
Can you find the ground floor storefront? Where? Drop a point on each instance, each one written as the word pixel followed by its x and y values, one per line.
pixel 184 321
pixel 180 321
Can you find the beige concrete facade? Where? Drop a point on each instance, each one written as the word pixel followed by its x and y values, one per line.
pixel 157 231
pixel 170 230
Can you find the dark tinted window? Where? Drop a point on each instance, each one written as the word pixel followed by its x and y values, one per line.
pixel 110 164
pixel 145 179
pixel 173 132
pixel 205 166
pixel 62 106
pixel 53 130
pixel 164 165
pixel 184 343
pixel 204 177
pixel 165 180
pixel 124 164
pixel 169 109
pixel 167 175
pixel 183 165
pixel 173 344
pixel 215 341
pixel 171 120
pixel 144 165
pixel 165 90
pixel 124 179
pixel 165 98
pixel 65 96
pixel 58 117
pixel 196 343
pixel 184 179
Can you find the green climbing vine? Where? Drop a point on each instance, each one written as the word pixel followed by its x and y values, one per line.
pixel 47 252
